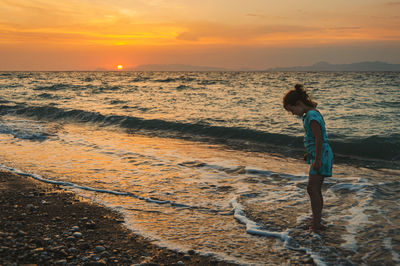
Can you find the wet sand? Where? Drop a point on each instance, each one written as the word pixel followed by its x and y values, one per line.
pixel 46 225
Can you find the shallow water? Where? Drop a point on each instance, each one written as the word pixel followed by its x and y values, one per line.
pixel 237 204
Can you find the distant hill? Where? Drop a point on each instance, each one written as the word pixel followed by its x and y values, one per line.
pixel 325 66
pixel 101 69
pixel 174 67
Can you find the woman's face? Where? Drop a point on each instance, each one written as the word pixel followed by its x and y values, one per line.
pixel 295 109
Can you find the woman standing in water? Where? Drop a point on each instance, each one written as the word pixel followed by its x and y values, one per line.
pixel 320 156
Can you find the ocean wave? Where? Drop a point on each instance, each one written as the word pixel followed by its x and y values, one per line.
pixel 381 147
pixel 178 79
pixel 24 130
pixel 253 228
pixel 377 147
pixel 115 192
pixel 54 87
pixel 48 96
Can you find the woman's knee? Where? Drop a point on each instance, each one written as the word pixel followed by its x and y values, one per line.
pixel 314 190
pixel 314 184
pixel 309 189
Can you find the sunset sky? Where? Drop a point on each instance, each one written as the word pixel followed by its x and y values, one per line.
pixel 234 34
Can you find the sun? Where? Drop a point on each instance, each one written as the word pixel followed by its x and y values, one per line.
pixel 120 67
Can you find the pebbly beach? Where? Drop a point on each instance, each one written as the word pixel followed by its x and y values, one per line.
pixel 43 224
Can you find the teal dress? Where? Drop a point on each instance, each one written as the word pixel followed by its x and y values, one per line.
pixel 309 143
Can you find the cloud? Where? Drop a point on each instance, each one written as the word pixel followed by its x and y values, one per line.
pixel 240 34
pixel 345 28
pixel 106 23
pixel 264 17
pixel 391 3
pixel 187 36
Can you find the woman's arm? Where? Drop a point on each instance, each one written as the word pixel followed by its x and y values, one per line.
pixel 316 130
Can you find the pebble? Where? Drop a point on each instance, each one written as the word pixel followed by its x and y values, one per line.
pixel 62 252
pixel 72 250
pixel 100 248
pixel 38 250
pixel 48 240
pixel 71 238
pixel 191 252
pixel 55 248
pixel 77 234
pixel 75 228
pixel 179 262
pixel 84 246
pixel 90 225
pixel 94 263
pixel 105 254
pixel 21 233
pixel 94 257
pixel 61 262
pixel 43 254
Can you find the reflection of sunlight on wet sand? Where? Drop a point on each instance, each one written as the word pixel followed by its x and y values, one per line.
pixel 203 176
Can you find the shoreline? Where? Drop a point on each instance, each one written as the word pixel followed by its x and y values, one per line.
pixel 46 224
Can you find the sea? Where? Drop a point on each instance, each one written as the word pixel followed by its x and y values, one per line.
pixel 211 162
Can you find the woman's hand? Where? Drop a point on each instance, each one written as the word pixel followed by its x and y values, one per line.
pixel 316 164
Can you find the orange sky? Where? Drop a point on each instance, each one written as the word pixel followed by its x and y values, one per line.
pixel 256 34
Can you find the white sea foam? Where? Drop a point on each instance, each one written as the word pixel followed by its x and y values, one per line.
pixel 255 229
pixel 252 227
pixel 118 193
pixel 388 245
pixel 24 129
pixel 356 218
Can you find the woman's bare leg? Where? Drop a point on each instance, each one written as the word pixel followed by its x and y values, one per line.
pixel 317 201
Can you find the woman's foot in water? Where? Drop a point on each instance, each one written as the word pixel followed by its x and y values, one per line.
pixel 317 227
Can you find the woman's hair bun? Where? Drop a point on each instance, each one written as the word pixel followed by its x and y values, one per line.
pixel 299 93
pixel 299 87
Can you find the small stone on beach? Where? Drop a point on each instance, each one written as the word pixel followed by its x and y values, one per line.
pixel 72 250
pixel 61 262
pixel 77 234
pixel 100 248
